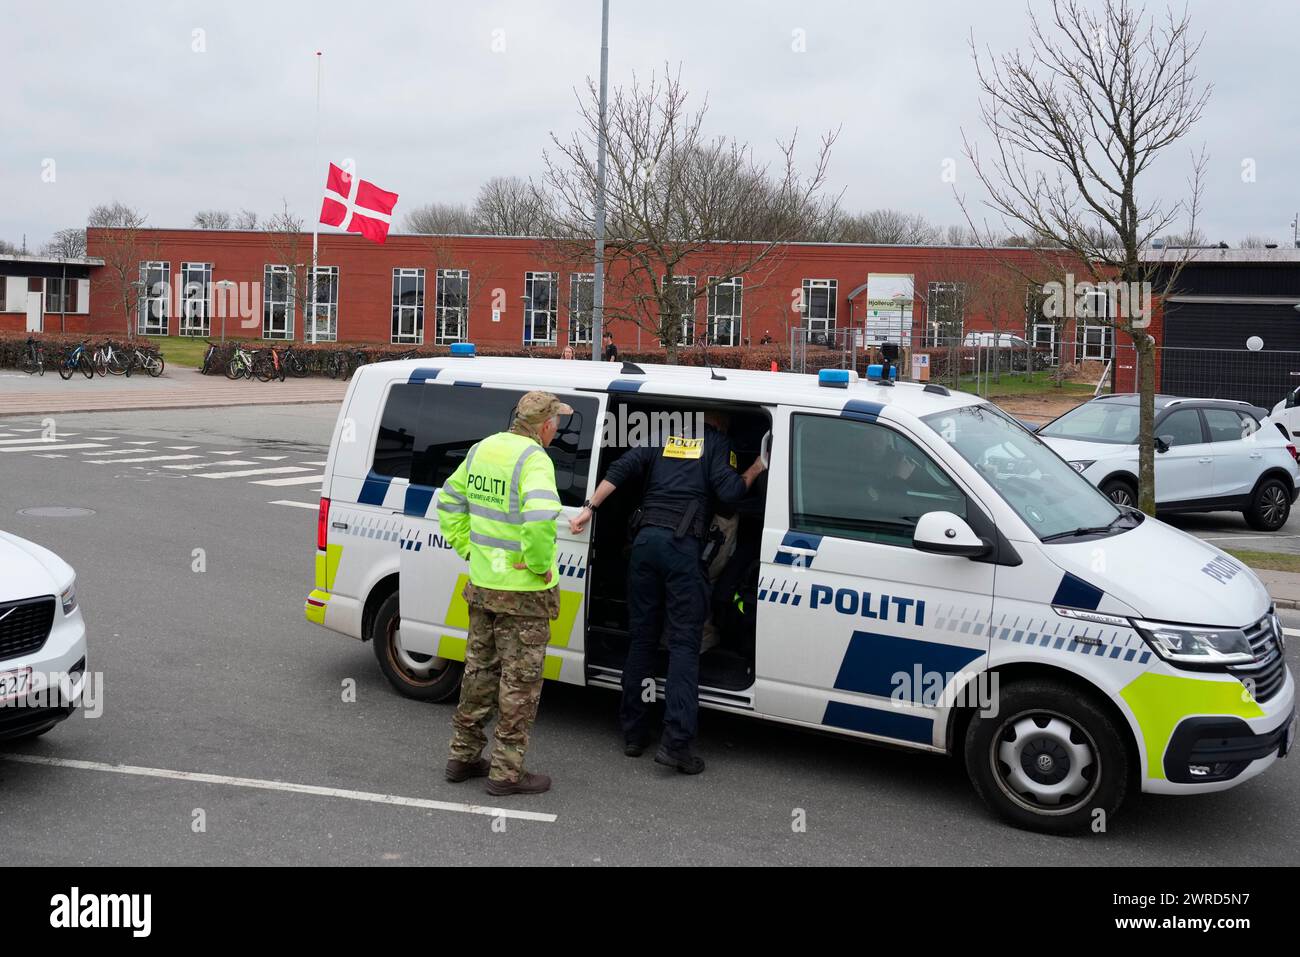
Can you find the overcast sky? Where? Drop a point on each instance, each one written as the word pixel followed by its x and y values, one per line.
pixel 131 103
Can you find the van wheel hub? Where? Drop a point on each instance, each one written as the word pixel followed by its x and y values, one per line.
pixel 1045 762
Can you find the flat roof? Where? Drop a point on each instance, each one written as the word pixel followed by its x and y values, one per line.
pixel 52 260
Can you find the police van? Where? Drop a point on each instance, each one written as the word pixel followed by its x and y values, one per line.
pixel 915 568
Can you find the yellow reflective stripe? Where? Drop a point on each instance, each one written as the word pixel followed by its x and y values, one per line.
pixel 451 648
pixel 1159 702
pixel 327 565
pixel 551 667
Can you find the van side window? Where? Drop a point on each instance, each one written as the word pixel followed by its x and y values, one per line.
pixel 427 430
pixel 860 480
pixel 396 439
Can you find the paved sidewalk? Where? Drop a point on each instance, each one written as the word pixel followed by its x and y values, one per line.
pixel 181 388
pixel 1283 586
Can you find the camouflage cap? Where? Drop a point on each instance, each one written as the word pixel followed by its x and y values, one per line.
pixel 536 407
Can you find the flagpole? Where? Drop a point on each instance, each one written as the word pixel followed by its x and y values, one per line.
pixel 598 291
pixel 315 228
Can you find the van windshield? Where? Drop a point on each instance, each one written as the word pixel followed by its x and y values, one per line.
pixel 1053 499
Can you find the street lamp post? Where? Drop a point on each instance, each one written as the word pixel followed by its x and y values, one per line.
pixel 139 286
pixel 598 291
pixel 224 284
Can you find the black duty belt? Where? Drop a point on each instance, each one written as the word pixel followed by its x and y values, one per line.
pixel 689 521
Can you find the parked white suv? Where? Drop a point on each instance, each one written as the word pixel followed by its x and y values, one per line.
pixel 42 639
pixel 1212 455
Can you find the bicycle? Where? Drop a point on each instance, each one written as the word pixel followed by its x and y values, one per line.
pixel 206 368
pixel 344 362
pixel 286 360
pixel 76 358
pixel 33 358
pixel 108 360
pixel 148 361
pixel 240 364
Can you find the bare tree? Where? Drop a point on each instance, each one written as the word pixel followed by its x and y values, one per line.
pixel 1076 120
pixel 67 244
pixel 677 201
pixel 9 249
pixel 446 219
pixel 1255 242
pixel 124 249
pixel 288 247
pixel 212 219
pixel 246 219
pixel 509 206
pixel 888 226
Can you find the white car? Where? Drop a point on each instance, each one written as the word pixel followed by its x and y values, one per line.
pixel 1287 412
pixel 42 639
pixel 1212 455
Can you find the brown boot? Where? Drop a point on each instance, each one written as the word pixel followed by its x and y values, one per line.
pixel 458 771
pixel 528 783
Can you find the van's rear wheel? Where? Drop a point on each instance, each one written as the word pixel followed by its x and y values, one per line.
pixel 418 676
pixel 1050 760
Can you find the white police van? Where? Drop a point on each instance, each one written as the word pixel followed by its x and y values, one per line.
pixel 916 569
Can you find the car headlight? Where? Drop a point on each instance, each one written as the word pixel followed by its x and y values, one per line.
pixel 1197 646
pixel 69 598
pixel 1082 466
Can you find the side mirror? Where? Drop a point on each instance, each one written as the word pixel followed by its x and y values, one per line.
pixel 1164 443
pixel 943 533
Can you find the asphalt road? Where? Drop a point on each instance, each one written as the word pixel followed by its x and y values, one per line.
pixel 217 673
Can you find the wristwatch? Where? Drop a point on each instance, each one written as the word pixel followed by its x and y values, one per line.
pixel 589 504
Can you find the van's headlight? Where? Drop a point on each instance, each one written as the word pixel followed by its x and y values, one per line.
pixel 1082 466
pixel 1197 646
pixel 69 598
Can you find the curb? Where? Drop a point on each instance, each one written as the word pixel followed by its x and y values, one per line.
pixel 169 406
pixel 1285 603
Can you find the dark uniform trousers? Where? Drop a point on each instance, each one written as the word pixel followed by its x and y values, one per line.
pixel 668 594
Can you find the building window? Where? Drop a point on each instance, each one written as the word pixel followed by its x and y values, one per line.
pixel 582 298
pixel 540 307
pixel 322 317
pixel 1093 336
pixel 196 286
pixel 277 302
pixel 819 300
pixel 154 303
pixel 680 298
pixel 724 311
pixel 1044 339
pixel 945 313
pixel 451 306
pixel 408 306
pixel 60 295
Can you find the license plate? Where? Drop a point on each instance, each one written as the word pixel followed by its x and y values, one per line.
pixel 14 683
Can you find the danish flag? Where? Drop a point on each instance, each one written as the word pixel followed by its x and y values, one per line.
pixel 357 206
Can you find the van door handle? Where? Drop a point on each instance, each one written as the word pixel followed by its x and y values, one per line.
pixel 1205 461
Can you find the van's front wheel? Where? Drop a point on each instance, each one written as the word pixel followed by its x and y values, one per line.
pixel 418 676
pixel 1050 759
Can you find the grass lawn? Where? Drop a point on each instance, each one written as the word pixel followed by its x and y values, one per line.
pixel 1270 561
pixel 1018 383
pixel 180 350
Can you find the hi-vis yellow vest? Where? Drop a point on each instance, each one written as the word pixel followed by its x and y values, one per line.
pixel 499 508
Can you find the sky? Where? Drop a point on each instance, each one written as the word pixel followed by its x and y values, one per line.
pixel 173 107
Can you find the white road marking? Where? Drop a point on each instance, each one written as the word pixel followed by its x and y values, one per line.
pixel 271 458
pixel 314 506
pixel 113 452
pixel 141 441
pixel 40 456
pixel 235 452
pixel 101 438
pixel 1233 538
pixel 191 466
pixel 24 430
pixel 1291 632
pixel 311 463
pixel 182 448
pixel 29 440
pixel 46 446
pixel 295 480
pixel 281 470
pixel 260 784
pixel 150 458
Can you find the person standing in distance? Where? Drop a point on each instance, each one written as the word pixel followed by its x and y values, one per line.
pixel 498 510
pixel 611 350
pixel 667 590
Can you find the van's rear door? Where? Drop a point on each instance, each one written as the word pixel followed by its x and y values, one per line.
pixel 455 414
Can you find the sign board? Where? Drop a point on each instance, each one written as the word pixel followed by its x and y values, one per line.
pixel 496 315
pixel 920 367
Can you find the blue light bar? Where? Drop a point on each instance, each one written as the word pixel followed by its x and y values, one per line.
pixel 833 378
pixel 877 371
pixel 462 348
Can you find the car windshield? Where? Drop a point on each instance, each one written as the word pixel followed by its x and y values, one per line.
pixel 1097 422
pixel 1053 499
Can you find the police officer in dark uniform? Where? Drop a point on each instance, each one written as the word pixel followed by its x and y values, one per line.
pixel 667 589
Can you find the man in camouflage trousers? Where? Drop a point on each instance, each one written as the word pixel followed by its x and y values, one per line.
pixel 498 510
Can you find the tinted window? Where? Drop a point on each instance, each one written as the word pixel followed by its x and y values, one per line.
pixel 427 430
pixel 1228 425
pixel 859 480
pixel 1182 427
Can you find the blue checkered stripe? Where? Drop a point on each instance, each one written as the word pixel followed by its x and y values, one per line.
pixel 1081 638
pixel 362 525
pixel 785 593
pixel 572 565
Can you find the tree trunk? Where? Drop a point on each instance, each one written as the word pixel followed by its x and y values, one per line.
pixel 1146 421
